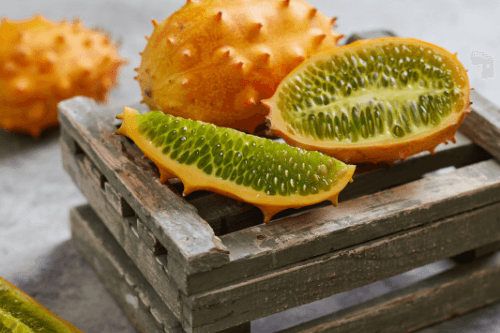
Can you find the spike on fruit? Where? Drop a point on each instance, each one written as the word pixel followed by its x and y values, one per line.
pixel 51 64
pixel 332 21
pixel 201 169
pixel 319 39
pixel 312 13
pixel 407 118
pixel 261 33
pixel 155 23
pixel 255 30
pixel 146 37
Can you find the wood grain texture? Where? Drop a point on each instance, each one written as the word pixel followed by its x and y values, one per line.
pixel 482 125
pixel 262 249
pixel 140 303
pixel 174 222
pixel 451 293
pixel 342 270
pixel 123 231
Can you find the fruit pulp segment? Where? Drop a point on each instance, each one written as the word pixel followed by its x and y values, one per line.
pixel 389 90
pixel 19 313
pixel 268 167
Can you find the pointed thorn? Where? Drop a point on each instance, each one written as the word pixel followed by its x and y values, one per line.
pixel 472 89
pixel 136 77
pixel 264 57
pixel 188 2
pixel 170 41
pixel 453 139
pixel 147 37
pixel 218 16
pixel 312 12
pixel 286 3
pixel 184 81
pixel 141 53
pixel 186 53
pixel 155 23
pixel 318 39
pixel 432 151
pixel 332 21
pixel 239 65
pixel 136 69
pixel 142 101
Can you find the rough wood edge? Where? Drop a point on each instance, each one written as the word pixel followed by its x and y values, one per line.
pixel 199 252
pixel 424 303
pixel 166 272
pixel 482 125
pixel 342 270
pixel 141 304
pixel 262 249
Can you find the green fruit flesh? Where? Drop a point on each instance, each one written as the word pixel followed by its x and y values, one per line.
pixel 273 168
pixel 18 315
pixel 390 91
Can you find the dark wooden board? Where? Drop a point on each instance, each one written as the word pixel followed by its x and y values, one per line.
pixel 438 298
pixel 140 303
pixel 174 222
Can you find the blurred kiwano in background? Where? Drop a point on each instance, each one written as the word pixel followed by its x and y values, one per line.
pixel 44 62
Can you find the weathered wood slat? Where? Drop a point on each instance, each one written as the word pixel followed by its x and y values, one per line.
pixel 482 125
pixel 140 303
pixel 174 222
pixel 342 270
pixel 264 248
pixel 137 250
pixel 453 292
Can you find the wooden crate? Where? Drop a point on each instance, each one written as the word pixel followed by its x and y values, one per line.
pixel 206 263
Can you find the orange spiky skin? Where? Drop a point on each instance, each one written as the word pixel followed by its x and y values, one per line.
pixel 43 62
pixel 215 61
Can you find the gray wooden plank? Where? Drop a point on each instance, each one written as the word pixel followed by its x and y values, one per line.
pixel 123 232
pixel 451 293
pixel 342 270
pixel 138 300
pixel 263 248
pixel 176 224
pixel 482 125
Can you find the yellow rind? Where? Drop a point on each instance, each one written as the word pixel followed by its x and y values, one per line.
pixel 373 151
pixel 194 179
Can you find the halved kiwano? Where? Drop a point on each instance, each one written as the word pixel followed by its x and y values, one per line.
pixel 372 101
pixel 19 313
pixel 271 175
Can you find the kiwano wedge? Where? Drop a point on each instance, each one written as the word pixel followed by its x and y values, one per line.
pixel 214 60
pixel 19 313
pixel 43 62
pixel 271 175
pixel 372 101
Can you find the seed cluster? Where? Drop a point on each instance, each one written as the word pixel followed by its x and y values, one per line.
pixel 270 167
pixel 336 98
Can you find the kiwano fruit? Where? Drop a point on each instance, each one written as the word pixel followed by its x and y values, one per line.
pixel 19 313
pixel 271 175
pixel 372 101
pixel 43 62
pixel 214 60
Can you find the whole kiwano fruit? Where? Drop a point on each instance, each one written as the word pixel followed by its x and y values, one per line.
pixel 43 62
pixel 214 61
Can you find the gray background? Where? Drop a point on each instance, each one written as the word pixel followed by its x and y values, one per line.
pixel 35 193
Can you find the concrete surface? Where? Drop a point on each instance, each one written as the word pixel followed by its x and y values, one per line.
pixel 36 194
